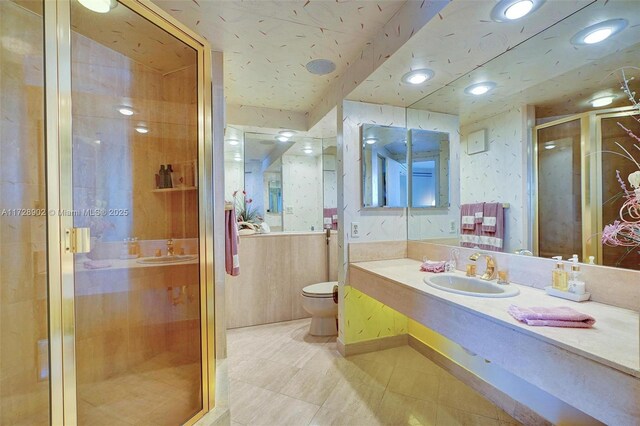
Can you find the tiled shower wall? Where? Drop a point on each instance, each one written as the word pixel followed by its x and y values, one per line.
pixel 24 387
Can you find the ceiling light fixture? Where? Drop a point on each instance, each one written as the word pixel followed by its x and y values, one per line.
pixel 238 158
pixel 308 151
pixel 512 10
pixel 602 101
pixel 550 146
pixel 480 88
pixel 99 6
pixel 599 32
pixel 282 138
pixel 370 141
pixel 320 66
pixel 142 129
pixel 233 142
pixel 287 133
pixel 125 110
pixel 417 76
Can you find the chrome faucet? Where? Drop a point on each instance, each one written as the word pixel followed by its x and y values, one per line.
pixel 491 270
pixel 170 247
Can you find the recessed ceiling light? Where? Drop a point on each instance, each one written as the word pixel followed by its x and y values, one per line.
pixel 282 138
pixel 142 129
pixel 549 146
pixel 321 66
pixel 602 101
pixel 233 142
pixel 100 6
pixel 287 133
pixel 308 151
pixel 512 10
pixel 417 76
pixel 370 141
pixel 480 88
pixel 97 141
pixel 125 110
pixel 599 32
pixel 238 158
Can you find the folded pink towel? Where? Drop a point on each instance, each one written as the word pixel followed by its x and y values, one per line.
pixel 97 264
pixel 561 316
pixel 433 266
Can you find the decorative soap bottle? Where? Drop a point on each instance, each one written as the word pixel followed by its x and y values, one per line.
pixel 576 285
pixel 169 177
pixel 559 275
pixel 163 177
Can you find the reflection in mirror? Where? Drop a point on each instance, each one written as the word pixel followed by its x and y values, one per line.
pixel 330 183
pixel 233 162
pixel 556 134
pixel 384 166
pixel 429 168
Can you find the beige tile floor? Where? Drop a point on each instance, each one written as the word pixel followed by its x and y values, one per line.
pixel 279 375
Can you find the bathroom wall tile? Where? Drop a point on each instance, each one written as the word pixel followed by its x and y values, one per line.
pixel 363 252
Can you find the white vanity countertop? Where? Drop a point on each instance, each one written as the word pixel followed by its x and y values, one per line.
pixel 614 340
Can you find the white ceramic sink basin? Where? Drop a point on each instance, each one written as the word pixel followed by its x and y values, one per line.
pixel 168 259
pixel 459 284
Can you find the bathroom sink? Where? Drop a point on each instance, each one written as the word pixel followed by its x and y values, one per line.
pixel 168 259
pixel 455 283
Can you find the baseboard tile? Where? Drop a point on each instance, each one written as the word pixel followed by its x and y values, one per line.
pixel 372 345
pixel 499 398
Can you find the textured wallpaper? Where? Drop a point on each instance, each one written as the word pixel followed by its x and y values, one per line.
pixel 500 173
pixel 435 223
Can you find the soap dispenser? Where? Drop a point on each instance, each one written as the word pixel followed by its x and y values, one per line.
pixel 559 275
pixel 575 284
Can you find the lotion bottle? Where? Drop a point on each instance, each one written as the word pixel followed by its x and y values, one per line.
pixel 559 275
pixel 576 285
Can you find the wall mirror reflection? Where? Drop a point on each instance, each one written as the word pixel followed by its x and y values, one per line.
pixel 384 166
pixel 559 143
pixel 429 168
pixel 278 183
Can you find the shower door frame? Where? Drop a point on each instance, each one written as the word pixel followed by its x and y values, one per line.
pixel 590 176
pixel 60 260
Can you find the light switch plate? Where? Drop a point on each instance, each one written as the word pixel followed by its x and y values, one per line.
pixel 477 142
pixel 355 230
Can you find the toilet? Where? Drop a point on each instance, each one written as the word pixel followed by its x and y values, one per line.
pixel 317 300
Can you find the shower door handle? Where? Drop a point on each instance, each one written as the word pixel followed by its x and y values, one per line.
pixel 78 240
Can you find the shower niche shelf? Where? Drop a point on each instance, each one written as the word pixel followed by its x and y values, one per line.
pixel 179 189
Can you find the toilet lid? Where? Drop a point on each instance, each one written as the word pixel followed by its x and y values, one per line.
pixel 320 289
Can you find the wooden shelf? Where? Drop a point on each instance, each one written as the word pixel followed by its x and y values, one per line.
pixel 180 189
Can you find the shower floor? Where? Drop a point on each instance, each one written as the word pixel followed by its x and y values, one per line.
pixel 159 392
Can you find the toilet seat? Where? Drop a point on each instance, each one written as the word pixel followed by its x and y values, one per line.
pixel 320 290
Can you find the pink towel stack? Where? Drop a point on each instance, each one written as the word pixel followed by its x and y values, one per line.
pixel 433 266
pixel 561 316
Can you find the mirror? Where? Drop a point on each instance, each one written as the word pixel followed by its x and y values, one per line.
pixel 330 182
pixel 429 168
pixel 546 140
pixel 384 166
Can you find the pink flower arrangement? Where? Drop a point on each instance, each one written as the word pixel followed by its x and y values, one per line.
pixel 247 215
pixel 625 232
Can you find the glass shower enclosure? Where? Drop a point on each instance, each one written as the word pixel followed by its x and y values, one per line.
pixel 105 299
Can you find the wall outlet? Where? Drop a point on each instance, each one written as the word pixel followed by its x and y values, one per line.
pixel 452 227
pixel 355 230
pixel 289 210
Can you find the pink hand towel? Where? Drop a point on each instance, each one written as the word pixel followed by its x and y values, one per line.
pixel 433 266
pixel 561 316
pixel 231 241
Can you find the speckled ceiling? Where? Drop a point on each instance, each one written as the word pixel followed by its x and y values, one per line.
pixel 267 43
pixel 548 71
pixel 462 38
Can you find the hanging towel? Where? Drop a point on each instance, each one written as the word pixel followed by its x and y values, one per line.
pixel 231 241
pixel 478 238
pixel 490 217
pixel 468 215
pixel 561 316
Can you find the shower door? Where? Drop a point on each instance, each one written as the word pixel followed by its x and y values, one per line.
pixel 133 202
